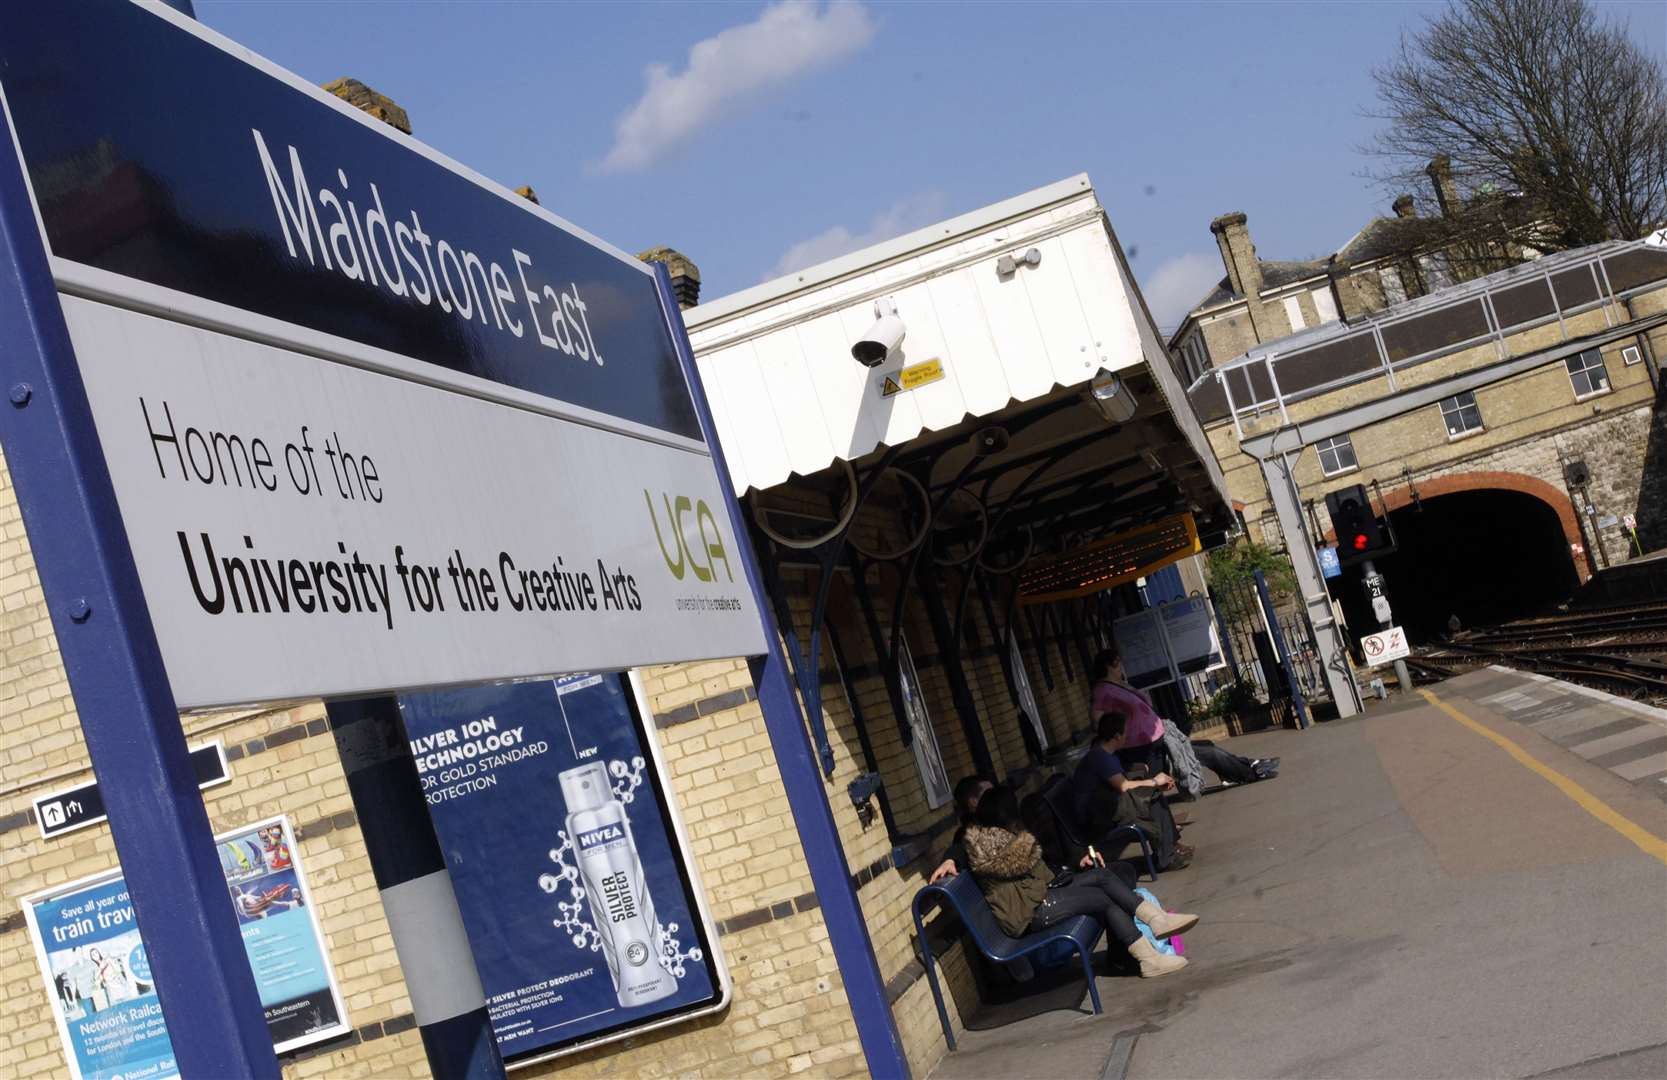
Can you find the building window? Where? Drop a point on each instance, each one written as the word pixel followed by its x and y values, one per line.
pixel 1461 415
pixel 1587 373
pixel 1337 455
pixel 1324 306
pixel 1438 270
pixel 1272 535
pixel 1394 289
pixel 924 743
pixel 1022 691
pixel 1293 314
pixel 1195 357
pixel 1631 355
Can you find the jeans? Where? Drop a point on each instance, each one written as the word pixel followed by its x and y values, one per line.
pixel 1149 754
pixel 1099 893
pixel 1107 809
pixel 1225 764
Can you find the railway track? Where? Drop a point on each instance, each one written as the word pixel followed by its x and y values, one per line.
pixel 1633 628
pixel 1621 649
pixel 1630 676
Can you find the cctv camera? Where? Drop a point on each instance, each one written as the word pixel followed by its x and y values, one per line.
pixel 880 340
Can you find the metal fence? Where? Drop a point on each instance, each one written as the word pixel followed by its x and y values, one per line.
pixel 1244 619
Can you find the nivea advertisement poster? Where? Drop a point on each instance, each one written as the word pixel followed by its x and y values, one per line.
pixel 577 898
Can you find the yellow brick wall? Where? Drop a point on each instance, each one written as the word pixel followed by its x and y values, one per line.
pixel 789 1014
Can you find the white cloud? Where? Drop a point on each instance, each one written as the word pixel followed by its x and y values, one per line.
pixel 901 217
pixel 787 40
pixel 1178 284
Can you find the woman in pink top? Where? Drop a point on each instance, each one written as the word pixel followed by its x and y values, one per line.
pixel 1143 731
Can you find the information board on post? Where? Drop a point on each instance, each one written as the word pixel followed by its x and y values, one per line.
pixel 98 979
pixel 373 422
pixel 1141 647
pixel 576 887
pixel 1160 645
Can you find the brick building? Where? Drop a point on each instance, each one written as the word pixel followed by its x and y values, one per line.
pixel 1391 260
pixel 1577 440
pixel 976 691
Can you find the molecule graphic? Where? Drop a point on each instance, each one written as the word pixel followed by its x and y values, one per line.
pixel 573 914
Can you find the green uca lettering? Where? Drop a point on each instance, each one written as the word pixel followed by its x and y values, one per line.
pixel 682 557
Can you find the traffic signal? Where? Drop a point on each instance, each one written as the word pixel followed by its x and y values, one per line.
pixel 1358 534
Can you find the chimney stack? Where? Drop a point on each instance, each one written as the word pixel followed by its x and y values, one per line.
pixel 1440 170
pixel 1403 207
pixel 1244 273
pixel 685 275
pixel 360 96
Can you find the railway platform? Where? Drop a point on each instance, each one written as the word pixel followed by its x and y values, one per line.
pixel 1464 882
pixel 1623 737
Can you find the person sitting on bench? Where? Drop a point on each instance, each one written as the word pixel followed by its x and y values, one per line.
pixel 1106 796
pixel 1026 895
pixel 968 790
pixel 1143 727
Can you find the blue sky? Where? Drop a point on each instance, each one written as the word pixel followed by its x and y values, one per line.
pixel 757 138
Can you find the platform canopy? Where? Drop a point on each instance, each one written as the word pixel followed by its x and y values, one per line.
pixel 1027 349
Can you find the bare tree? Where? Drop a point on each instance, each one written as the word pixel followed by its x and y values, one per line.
pixel 1538 103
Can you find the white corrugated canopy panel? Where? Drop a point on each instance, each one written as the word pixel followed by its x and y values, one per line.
pixel 789 399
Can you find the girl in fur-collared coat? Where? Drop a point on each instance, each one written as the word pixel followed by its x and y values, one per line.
pixel 1025 895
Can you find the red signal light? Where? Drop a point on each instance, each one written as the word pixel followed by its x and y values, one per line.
pixel 1360 541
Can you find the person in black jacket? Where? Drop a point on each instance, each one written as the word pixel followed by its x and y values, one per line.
pixel 968 790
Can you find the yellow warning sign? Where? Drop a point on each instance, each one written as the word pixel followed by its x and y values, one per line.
pixel 912 377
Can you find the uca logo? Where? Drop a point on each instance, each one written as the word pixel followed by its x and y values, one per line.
pixel 703 555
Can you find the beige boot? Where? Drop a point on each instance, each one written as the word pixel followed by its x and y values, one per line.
pixel 1154 963
pixel 1164 923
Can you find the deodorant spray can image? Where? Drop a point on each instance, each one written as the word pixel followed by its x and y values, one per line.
pixel 612 874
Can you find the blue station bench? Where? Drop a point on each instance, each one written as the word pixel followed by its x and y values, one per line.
pixel 1078 935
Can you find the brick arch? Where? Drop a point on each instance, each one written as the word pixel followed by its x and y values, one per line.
pixel 1455 483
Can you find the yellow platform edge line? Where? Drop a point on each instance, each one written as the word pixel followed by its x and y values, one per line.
pixel 1645 840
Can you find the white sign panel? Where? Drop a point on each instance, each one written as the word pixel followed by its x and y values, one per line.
pixel 1189 625
pixel 303 527
pixel 1161 644
pixel 1385 648
pixel 1142 648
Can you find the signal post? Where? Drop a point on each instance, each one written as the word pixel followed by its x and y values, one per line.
pixel 1360 537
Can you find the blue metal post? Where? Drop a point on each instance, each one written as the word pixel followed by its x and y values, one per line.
pixel 1226 638
pixel 127 711
pixel 1278 636
pixel 417 896
pixel 865 989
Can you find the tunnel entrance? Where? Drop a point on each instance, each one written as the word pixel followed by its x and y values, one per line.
pixel 1487 556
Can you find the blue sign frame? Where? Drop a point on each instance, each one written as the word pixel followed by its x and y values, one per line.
pixel 316 215
pixel 114 666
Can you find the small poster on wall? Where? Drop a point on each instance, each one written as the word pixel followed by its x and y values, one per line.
pixel 98 978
